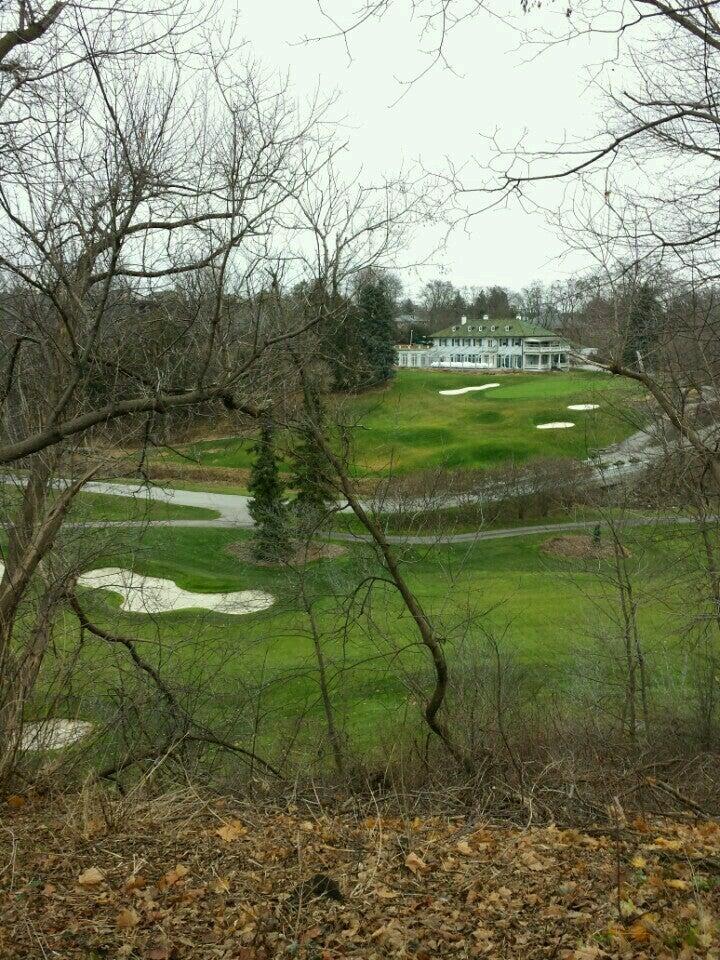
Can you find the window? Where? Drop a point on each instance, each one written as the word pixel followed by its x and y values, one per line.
pixel 518 361
pixel 492 344
pixel 423 359
pixel 517 341
pixel 472 358
pixel 413 359
pixel 563 358
pixel 504 342
pixel 507 328
pixel 486 359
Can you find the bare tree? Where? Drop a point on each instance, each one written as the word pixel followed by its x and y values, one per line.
pixel 130 166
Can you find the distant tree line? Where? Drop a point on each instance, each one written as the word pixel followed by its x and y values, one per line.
pixel 441 303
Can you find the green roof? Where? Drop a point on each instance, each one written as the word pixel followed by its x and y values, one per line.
pixel 505 326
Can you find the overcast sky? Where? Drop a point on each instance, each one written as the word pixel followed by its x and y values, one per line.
pixel 498 86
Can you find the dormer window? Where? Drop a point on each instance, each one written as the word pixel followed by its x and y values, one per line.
pixel 480 328
pixel 507 328
pixel 493 328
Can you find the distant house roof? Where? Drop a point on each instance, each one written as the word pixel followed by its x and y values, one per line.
pixel 406 318
pixel 500 326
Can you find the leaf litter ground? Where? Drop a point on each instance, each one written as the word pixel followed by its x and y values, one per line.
pixel 185 879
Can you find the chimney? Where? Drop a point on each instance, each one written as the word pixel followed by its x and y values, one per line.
pixel 463 320
pixel 486 316
pixel 519 317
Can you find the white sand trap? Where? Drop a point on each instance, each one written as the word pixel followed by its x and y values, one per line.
pixel 456 393
pixel 53 734
pixel 555 425
pixel 155 595
pixel 584 406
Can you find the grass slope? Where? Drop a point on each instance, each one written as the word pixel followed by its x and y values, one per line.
pixel 409 426
pixel 111 508
pixel 547 610
pixel 105 506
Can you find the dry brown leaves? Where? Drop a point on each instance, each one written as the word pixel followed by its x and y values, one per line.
pixel 253 885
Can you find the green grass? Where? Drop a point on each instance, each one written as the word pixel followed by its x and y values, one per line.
pixel 102 506
pixel 472 518
pixel 201 486
pixel 409 427
pixel 545 608
pixel 106 506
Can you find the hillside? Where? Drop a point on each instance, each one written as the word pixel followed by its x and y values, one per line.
pixel 186 878
pixel 410 426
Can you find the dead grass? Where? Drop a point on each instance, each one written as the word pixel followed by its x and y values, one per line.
pixel 302 554
pixel 579 547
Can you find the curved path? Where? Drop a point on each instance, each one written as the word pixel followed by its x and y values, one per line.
pixel 405 538
pixel 233 513
pixel 504 533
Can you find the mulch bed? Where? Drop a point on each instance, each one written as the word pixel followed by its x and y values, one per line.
pixel 580 547
pixel 196 879
pixel 303 553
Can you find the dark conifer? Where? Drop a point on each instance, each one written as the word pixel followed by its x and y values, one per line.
pixel 270 536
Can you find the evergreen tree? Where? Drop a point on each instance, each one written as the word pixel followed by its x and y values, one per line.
pixel 376 310
pixel 498 303
pixel 270 537
pixel 344 350
pixel 310 473
pixel 642 326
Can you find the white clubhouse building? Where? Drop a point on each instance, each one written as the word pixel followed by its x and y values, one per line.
pixel 509 344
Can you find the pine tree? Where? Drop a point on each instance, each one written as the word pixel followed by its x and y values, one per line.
pixel 641 329
pixel 310 472
pixel 376 311
pixel 270 537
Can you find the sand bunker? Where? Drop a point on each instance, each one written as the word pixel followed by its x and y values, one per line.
pixel 456 393
pixel 155 595
pixel 584 406
pixel 53 734
pixel 555 425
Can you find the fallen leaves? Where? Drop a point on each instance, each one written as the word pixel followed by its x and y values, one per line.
pixel 161 951
pixel 136 882
pixel 238 888
pixel 127 919
pixel 173 876
pixel 91 877
pixel 232 831
pixel 416 864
